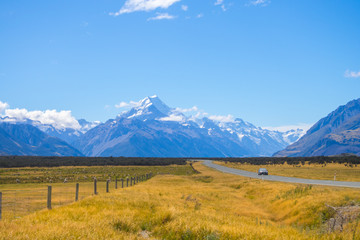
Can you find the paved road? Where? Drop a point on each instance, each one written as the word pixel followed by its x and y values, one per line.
pixel 210 163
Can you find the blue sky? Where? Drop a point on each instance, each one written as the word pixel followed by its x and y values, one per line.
pixel 272 63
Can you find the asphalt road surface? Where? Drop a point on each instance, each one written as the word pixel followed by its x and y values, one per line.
pixel 243 173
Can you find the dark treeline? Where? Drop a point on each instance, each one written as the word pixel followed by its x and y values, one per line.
pixel 354 160
pixel 38 161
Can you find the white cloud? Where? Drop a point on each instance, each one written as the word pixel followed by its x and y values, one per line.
pixel 200 114
pixel 261 3
pixel 122 105
pixel 184 7
pixel 285 128
pixel 219 118
pixel 3 106
pixel 84 24
pixel 221 3
pixel 59 120
pixel 161 16
pixel 127 104
pixel 200 15
pixel 143 5
pixel 185 110
pixel 352 74
pixel 192 114
pixel 173 118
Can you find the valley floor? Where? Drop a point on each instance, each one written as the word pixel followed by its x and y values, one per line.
pixel 208 205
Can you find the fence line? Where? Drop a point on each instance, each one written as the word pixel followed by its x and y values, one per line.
pixel 20 202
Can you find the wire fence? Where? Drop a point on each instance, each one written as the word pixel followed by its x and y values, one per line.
pixel 17 202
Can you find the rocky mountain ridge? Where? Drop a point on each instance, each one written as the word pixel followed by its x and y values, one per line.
pixel 337 133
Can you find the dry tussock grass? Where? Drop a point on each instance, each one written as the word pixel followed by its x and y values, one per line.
pixel 211 205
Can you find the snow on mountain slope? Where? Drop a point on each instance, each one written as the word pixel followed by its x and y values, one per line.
pixel 25 139
pixel 68 134
pixel 337 133
pixel 151 128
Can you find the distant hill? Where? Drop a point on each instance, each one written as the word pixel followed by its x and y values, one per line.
pixel 337 133
pixel 25 139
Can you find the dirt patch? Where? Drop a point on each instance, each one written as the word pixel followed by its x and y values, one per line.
pixel 341 216
pixel 144 234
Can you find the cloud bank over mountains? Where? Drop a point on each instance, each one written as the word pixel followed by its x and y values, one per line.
pixel 3 106
pixel 58 119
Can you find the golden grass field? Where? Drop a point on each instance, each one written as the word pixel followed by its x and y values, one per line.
pixel 30 193
pixel 209 205
pixel 310 171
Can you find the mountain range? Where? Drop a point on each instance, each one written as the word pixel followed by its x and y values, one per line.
pixel 152 129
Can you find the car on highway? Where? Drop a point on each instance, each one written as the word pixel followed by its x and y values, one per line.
pixel 263 171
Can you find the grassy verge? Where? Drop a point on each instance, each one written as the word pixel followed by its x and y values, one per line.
pixel 209 205
pixel 343 172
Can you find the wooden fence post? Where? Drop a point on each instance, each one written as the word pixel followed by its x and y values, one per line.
pixel 116 183
pixel 95 186
pixel 49 198
pixel 107 185
pixel 0 203
pixel 131 182
pixel 77 192
pixel 127 182
pixel 122 183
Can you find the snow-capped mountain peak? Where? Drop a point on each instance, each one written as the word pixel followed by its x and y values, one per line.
pixel 155 102
pixel 148 108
